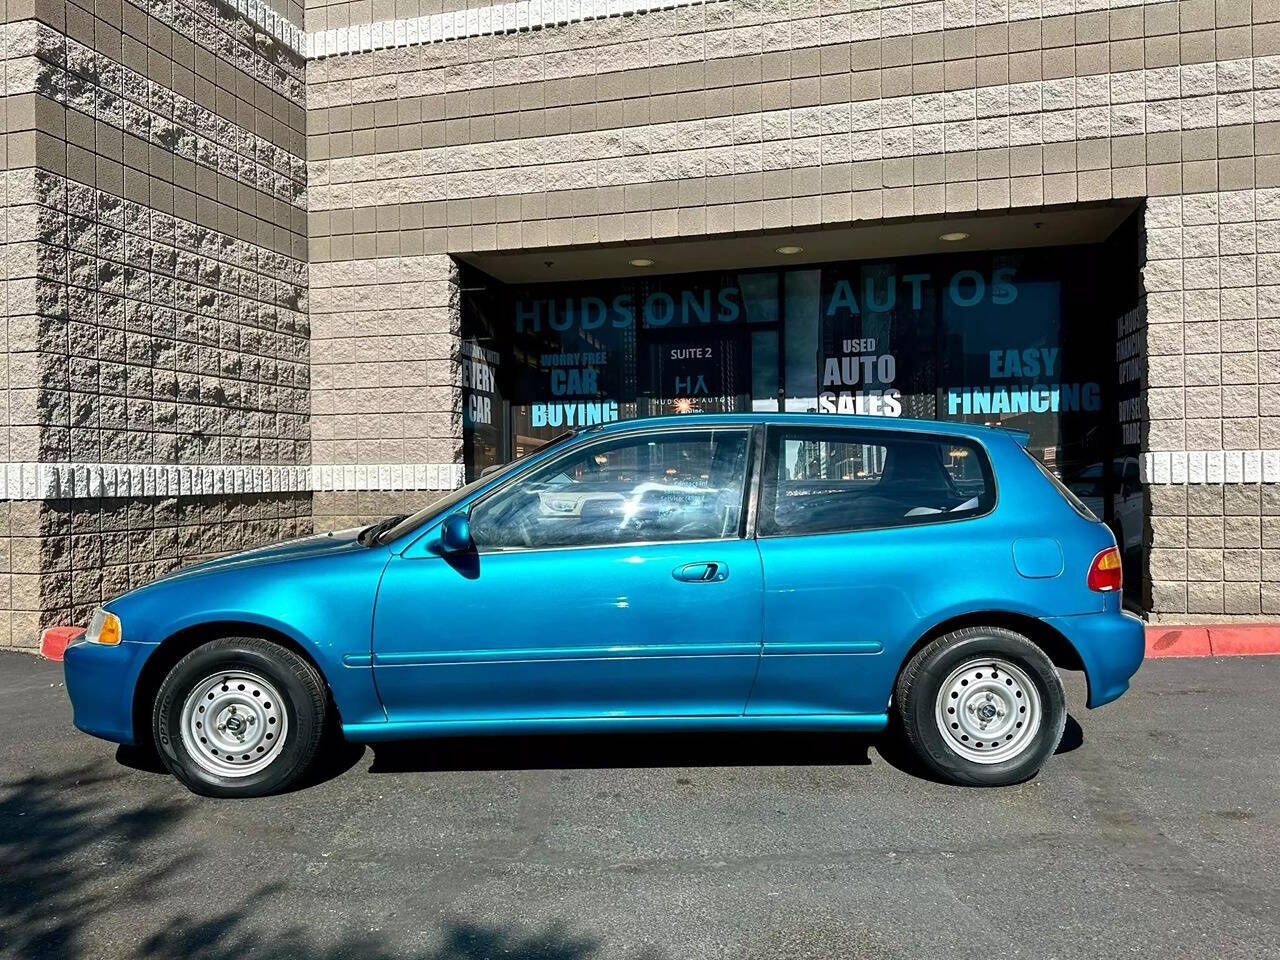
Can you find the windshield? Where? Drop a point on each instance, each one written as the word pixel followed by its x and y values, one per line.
pixel 437 507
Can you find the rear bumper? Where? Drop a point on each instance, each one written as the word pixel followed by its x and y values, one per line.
pixel 100 682
pixel 1111 646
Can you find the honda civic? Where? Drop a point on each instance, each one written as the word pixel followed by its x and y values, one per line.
pixel 727 572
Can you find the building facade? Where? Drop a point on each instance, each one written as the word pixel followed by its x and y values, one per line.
pixel 271 270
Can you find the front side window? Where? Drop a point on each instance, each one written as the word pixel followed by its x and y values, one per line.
pixel 820 480
pixel 675 485
pixel 444 504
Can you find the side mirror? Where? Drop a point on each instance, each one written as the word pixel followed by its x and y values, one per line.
pixel 455 533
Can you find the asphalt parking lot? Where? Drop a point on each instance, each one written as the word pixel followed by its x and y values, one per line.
pixel 1153 834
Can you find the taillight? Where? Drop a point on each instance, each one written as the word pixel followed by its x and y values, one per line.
pixel 1105 573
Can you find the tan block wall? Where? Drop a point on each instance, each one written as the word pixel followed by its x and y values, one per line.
pixel 736 116
pixel 1212 398
pixel 386 371
pixel 156 291
pixel 343 511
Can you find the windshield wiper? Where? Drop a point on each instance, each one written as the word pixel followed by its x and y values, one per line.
pixel 370 534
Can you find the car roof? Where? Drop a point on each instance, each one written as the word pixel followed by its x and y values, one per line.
pixel 944 427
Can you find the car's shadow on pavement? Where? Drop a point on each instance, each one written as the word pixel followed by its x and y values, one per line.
pixel 657 750
pixel 665 750
pixel 1072 736
pixel 634 750
pixel 142 759
pixel 603 751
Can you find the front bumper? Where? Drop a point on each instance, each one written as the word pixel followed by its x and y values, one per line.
pixel 100 682
pixel 1111 646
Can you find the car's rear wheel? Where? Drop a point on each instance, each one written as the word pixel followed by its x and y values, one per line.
pixel 240 717
pixel 981 706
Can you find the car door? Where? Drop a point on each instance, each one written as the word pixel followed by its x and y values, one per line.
pixel 614 580
pixel 856 530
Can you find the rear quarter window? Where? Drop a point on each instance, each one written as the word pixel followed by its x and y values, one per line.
pixel 828 480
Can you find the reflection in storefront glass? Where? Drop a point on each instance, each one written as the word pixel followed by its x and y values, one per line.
pixel 803 319
pixel 759 296
pixel 764 371
pixel 989 375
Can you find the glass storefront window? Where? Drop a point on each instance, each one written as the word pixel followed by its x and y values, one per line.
pixel 1041 340
pixel 997 337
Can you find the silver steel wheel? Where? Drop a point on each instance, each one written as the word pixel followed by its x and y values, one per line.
pixel 988 710
pixel 234 724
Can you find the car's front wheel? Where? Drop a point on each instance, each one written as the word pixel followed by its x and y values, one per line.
pixel 240 717
pixel 982 706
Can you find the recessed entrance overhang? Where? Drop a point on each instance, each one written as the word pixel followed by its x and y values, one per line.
pixel 1059 226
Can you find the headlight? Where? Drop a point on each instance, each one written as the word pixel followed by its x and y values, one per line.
pixel 103 628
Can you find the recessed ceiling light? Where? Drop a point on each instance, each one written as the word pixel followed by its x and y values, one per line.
pixel 953 237
pixel 641 262
pixel 789 249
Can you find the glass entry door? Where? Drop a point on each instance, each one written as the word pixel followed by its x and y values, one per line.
pixel 694 371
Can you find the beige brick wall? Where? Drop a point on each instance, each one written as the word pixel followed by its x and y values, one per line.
pixel 156 294
pixel 732 117
pixel 343 511
pixel 386 371
pixel 1213 397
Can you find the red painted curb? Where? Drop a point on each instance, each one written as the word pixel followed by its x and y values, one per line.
pixel 1213 640
pixel 54 640
pixel 1178 642
pixel 1244 640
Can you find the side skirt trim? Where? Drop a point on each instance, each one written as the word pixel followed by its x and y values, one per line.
pixel 415 729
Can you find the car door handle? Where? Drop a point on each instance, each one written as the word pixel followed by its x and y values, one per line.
pixel 710 571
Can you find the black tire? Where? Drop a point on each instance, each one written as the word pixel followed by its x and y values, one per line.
pixel 916 703
pixel 303 712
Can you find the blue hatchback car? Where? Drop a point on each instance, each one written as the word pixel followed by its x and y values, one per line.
pixel 720 572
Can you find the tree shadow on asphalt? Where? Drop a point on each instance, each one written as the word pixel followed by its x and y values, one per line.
pixel 228 937
pixel 56 846
pixel 71 857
